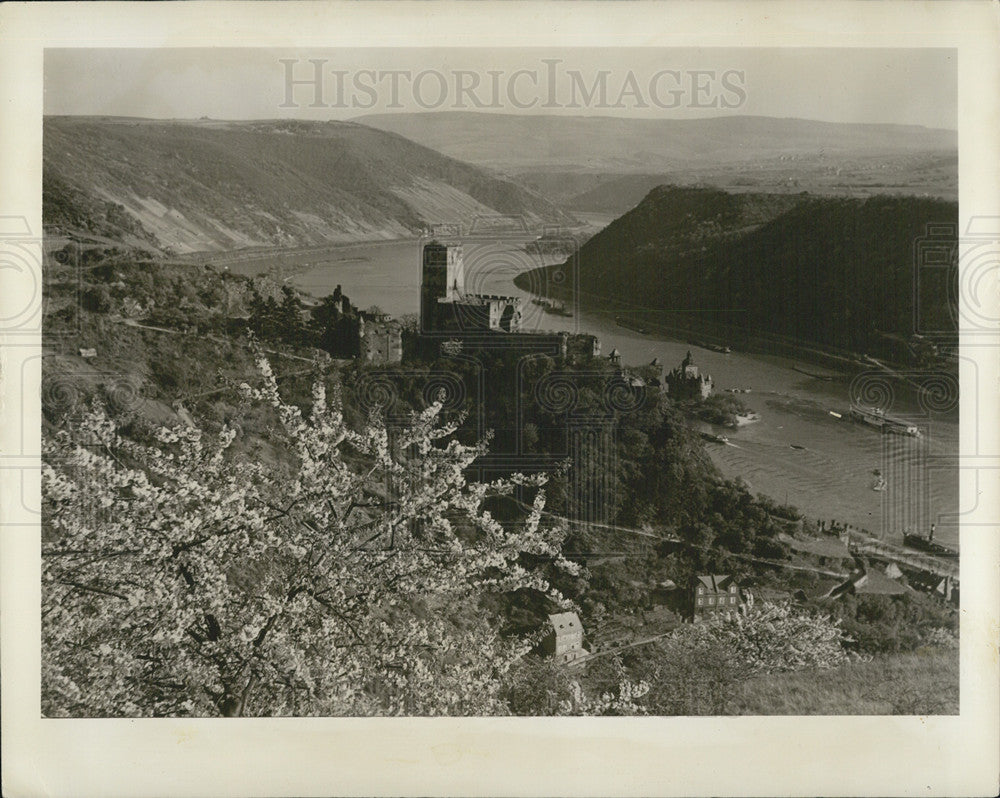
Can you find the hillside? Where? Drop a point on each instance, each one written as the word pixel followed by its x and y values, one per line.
pixel 170 346
pixel 608 164
pixel 614 144
pixel 838 272
pixel 924 174
pixel 206 185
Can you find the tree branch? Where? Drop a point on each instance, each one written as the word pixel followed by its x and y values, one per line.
pixel 91 589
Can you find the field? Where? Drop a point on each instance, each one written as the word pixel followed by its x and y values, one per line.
pixel 923 682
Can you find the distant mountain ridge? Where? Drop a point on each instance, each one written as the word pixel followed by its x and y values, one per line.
pixel 624 145
pixel 837 272
pixel 184 186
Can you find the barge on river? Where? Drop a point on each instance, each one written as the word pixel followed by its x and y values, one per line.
pixel 929 545
pixel 876 417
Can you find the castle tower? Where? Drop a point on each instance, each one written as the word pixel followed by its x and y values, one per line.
pixel 442 278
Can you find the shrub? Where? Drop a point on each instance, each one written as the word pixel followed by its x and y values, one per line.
pixel 700 667
pixel 96 299
pixel 688 675
pixel 768 638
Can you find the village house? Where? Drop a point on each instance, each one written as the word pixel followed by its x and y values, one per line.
pixel 827 551
pixel 944 587
pixel 565 640
pixel 712 593
pixel 871 582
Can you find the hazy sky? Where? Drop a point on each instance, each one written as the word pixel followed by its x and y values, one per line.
pixel 905 86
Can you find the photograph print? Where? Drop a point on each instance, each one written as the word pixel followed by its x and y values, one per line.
pixel 500 382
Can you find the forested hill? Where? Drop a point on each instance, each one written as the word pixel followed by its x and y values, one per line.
pixel 203 185
pixel 838 272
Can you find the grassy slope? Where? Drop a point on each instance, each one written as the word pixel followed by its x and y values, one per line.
pixel 925 682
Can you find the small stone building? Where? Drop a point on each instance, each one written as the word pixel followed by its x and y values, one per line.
pixel 580 345
pixel 380 340
pixel 565 640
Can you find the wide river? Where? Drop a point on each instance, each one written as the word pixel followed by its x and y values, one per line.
pixel 796 453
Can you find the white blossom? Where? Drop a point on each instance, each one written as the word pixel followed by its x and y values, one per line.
pixel 183 579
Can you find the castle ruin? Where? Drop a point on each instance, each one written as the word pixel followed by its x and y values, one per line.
pixel 687 381
pixel 446 307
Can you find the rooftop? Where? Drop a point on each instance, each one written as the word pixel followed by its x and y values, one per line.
pixel 715 582
pixel 876 582
pixel 564 621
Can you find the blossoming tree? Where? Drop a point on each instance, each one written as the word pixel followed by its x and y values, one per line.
pixel 181 579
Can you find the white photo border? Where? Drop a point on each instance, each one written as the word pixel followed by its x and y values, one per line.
pixel 586 756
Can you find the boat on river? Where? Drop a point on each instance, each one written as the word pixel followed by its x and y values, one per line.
pixel 709 436
pixel 557 308
pixel 878 418
pixel 929 545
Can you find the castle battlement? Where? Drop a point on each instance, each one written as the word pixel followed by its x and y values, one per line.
pixel 446 307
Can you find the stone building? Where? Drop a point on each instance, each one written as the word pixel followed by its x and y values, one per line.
pixel 687 382
pixel 580 345
pixel 380 339
pixel 446 307
pixel 565 640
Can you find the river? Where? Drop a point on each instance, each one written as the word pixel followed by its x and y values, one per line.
pixel 796 453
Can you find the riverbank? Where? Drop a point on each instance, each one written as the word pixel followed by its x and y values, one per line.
pixel 694 330
pixel 281 263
